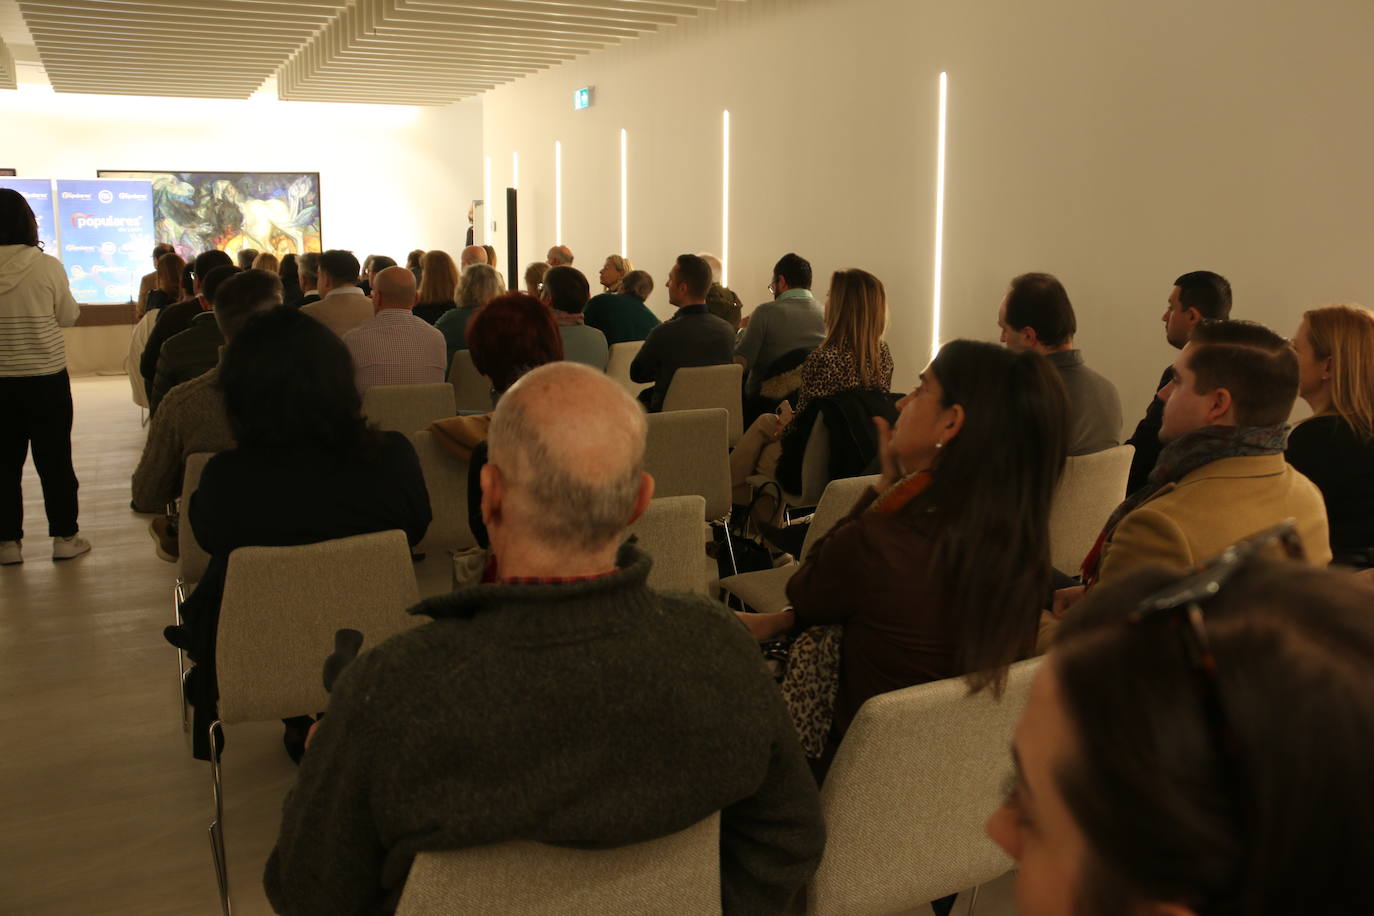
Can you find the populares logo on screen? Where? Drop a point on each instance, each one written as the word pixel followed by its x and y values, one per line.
pixel 91 221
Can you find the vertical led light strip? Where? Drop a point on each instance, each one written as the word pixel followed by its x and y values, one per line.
pixel 515 170
pixel 939 216
pixel 558 192
pixel 725 201
pixel 624 194
pixel 488 205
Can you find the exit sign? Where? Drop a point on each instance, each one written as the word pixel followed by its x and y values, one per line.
pixel 582 98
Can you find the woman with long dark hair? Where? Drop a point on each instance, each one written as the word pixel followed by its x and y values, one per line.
pixel 290 273
pixel 167 288
pixel 35 392
pixel 1197 745
pixel 941 569
pixel 307 468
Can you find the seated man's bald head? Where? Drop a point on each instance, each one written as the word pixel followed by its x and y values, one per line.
pixel 569 445
pixel 394 288
pixel 473 254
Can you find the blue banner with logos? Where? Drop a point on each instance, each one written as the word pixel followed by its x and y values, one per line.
pixel 38 192
pixel 107 233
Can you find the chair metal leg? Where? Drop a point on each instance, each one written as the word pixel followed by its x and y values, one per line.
pixel 217 825
pixel 179 596
pixel 729 545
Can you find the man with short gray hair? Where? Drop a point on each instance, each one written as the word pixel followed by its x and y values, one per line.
pixel 523 710
pixel 473 254
pixel 308 270
pixel 559 256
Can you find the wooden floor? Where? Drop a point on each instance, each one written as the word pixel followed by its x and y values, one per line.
pixel 102 808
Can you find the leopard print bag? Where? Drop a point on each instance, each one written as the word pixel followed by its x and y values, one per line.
pixel 811 685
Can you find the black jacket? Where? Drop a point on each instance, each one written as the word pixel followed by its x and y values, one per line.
pixel 1146 438
pixel 193 352
pixel 853 440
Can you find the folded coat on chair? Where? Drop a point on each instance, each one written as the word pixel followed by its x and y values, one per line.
pixel 853 440
pixel 460 435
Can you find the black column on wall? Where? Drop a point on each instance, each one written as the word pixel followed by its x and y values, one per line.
pixel 512 245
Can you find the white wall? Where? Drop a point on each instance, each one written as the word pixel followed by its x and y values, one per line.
pixel 392 178
pixel 1114 143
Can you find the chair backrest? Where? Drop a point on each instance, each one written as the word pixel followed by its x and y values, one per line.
pixel 675 874
pixel 282 607
pixel 905 800
pixel 471 389
pixel 835 502
pixel 670 531
pixel 618 365
pixel 446 479
pixel 815 472
pixel 406 408
pixel 191 560
pixel 137 341
pixel 696 387
pixel 687 453
pixel 1092 486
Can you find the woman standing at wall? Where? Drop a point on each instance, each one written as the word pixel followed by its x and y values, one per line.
pixel 35 392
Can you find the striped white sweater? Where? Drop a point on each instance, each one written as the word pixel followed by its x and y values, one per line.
pixel 35 304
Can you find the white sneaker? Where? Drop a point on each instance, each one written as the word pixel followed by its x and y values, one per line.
pixel 66 548
pixel 10 553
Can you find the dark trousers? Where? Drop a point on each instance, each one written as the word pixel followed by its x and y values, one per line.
pixel 37 410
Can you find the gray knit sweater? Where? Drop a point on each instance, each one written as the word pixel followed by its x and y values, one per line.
pixel 596 713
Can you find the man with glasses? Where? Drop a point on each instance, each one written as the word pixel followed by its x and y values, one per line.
pixel 792 321
pixel 1221 475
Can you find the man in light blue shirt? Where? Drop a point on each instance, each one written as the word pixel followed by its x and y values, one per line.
pixel 793 320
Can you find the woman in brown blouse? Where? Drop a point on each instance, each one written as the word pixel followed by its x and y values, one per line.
pixel 941 569
pixel 853 355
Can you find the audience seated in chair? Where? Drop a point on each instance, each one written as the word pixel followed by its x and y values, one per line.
pixel 521 712
pixel 289 272
pixel 534 278
pixel 941 569
pixel 1036 315
pixel 1334 448
pixel 565 292
pixel 478 285
pixel 175 318
pixel 342 305
pixel 309 273
pixel 692 337
pixel 1176 753
pixel 396 347
pixel 194 351
pixel 191 418
pixel 852 355
pixel 437 282
pixel 149 281
pixel 793 320
pixel 559 256
pixel 306 468
pixel 620 313
pixel 1221 475
pixel 1197 296
pixel 166 287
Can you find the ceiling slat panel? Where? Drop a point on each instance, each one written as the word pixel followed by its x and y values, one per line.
pixel 403 52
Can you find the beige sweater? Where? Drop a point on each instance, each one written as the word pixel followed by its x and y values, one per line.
pixel 35 304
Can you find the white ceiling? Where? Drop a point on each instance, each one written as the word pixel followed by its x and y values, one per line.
pixel 413 52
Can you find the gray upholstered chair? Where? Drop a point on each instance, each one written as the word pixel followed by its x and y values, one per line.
pixel 618 365
pixel 191 560
pixel 675 875
pixel 471 389
pixel 815 471
pixel 710 386
pixel 766 589
pixel 670 531
pixel 277 620
pixel 191 563
pixel 905 800
pixel 687 455
pixel 1092 486
pixel 446 479
pixel 406 408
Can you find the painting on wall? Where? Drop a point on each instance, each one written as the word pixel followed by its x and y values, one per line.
pixel 278 212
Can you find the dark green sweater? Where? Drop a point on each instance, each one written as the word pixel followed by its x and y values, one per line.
pixel 596 713
pixel 620 317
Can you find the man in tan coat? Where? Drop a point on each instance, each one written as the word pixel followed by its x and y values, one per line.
pixel 1222 475
pixel 342 306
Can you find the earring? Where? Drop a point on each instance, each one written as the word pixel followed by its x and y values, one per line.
pixel 939 445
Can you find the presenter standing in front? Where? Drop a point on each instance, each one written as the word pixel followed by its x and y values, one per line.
pixel 35 392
